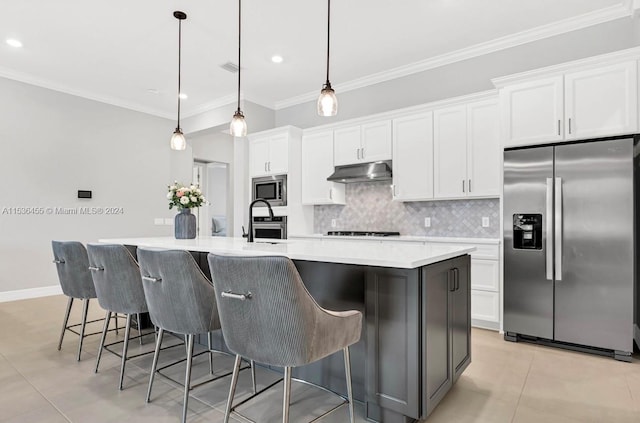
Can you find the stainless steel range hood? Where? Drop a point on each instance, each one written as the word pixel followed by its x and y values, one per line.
pixel 362 172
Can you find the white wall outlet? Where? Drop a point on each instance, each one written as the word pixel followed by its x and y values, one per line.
pixel 334 223
pixel 427 222
pixel 168 221
pixel 158 221
pixel 485 222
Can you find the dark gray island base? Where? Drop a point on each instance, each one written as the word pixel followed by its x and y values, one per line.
pixel 416 337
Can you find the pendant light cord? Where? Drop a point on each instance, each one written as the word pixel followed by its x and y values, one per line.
pixel 328 35
pixel 179 65
pixel 239 47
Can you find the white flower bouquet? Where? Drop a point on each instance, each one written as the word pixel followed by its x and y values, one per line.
pixel 185 197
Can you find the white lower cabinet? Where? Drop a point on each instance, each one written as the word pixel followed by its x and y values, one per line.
pixel 485 308
pixel 486 274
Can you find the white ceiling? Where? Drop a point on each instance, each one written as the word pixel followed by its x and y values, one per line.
pixel 117 50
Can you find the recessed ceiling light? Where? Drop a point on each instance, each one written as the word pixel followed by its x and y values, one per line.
pixel 183 96
pixel 276 59
pixel 14 43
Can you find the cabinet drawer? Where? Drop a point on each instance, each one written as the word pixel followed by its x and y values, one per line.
pixel 485 305
pixel 485 274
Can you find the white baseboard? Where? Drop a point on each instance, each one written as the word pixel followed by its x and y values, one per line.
pixel 23 294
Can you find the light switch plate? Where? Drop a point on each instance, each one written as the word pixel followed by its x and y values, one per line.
pixel 485 222
pixel 158 221
pixel 333 223
pixel 427 222
pixel 168 221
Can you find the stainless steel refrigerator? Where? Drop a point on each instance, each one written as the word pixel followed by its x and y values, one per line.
pixel 569 244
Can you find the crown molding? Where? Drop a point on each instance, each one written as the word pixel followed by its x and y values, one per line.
pixel 538 33
pixel 43 83
pixel 589 62
pixel 217 103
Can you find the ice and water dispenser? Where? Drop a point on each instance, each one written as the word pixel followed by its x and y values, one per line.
pixel 527 231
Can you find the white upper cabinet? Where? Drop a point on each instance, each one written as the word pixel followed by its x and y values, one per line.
pixel 467 150
pixel 533 112
pixel 412 157
pixel 269 155
pixel 483 149
pixel 363 143
pixel 594 102
pixel 317 165
pixel 601 101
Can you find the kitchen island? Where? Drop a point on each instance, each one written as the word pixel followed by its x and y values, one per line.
pixel 416 304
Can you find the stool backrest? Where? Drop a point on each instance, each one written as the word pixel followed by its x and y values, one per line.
pixel 72 265
pixel 275 323
pixel 116 276
pixel 179 296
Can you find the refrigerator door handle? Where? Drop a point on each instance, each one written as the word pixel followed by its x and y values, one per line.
pixel 558 228
pixel 549 243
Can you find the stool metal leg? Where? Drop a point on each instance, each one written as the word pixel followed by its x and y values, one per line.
pixel 125 347
pixel 209 344
pixel 187 376
pixel 138 327
pixel 253 377
pixel 154 365
pixel 347 370
pixel 116 317
pixel 85 310
pixel 107 318
pixel 287 395
pixel 232 388
pixel 65 322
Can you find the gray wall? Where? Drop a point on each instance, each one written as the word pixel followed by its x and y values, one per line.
pixel 369 208
pixel 468 76
pixel 54 144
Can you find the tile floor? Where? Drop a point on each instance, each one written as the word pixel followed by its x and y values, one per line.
pixel 506 382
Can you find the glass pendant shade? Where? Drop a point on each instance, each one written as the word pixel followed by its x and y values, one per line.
pixel 327 102
pixel 178 141
pixel 238 127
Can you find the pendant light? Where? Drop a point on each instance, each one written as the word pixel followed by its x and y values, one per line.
pixel 178 142
pixel 328 102
pixel 238 127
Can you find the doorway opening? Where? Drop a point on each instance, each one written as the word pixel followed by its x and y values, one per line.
pixel 213 180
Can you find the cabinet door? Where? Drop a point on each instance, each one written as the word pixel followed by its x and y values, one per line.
pixel 483 149
pixel 278 155
pixel 532 112
pixel 601 101
pixel 450 152
pixel 413 157
pixel 346 146
pixel 317 165
pixel 461 316
pixel 376 141
pixel 259 157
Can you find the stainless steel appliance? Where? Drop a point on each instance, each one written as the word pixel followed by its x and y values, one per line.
pixel 569 244
pixel 362 172
pixel 270 188
pixel 270 227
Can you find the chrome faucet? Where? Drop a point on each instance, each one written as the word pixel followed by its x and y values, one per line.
pixel 257 200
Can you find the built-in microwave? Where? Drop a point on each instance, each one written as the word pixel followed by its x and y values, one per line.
pixel 270 188
pixel 270 227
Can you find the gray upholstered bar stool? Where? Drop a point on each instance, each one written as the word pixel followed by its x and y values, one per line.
pixel 116 277
pixel 72 265
pixel 267 315
pixel 181 299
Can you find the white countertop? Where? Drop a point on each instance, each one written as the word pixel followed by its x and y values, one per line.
pixel 405 256
pixel 409 238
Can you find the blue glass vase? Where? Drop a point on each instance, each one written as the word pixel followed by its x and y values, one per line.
pixel 185 225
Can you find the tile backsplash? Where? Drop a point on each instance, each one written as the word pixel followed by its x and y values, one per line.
pixel 369 208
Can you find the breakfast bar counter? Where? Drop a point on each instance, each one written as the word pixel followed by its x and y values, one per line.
pixel 416 304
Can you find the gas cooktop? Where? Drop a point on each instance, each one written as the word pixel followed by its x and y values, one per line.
pixel 362 233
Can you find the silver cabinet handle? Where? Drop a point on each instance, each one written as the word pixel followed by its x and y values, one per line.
pixel 362 152
pixel 558 228
pixel 59 261
pixel 463 186
pixel 233 296
pixel 269 166
pixel 265 166
pixel 549 232
pixel 96 268
pixel 150 279
pixel 569 125
pixel 559 123
pixel 469 185
pixel 358 153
